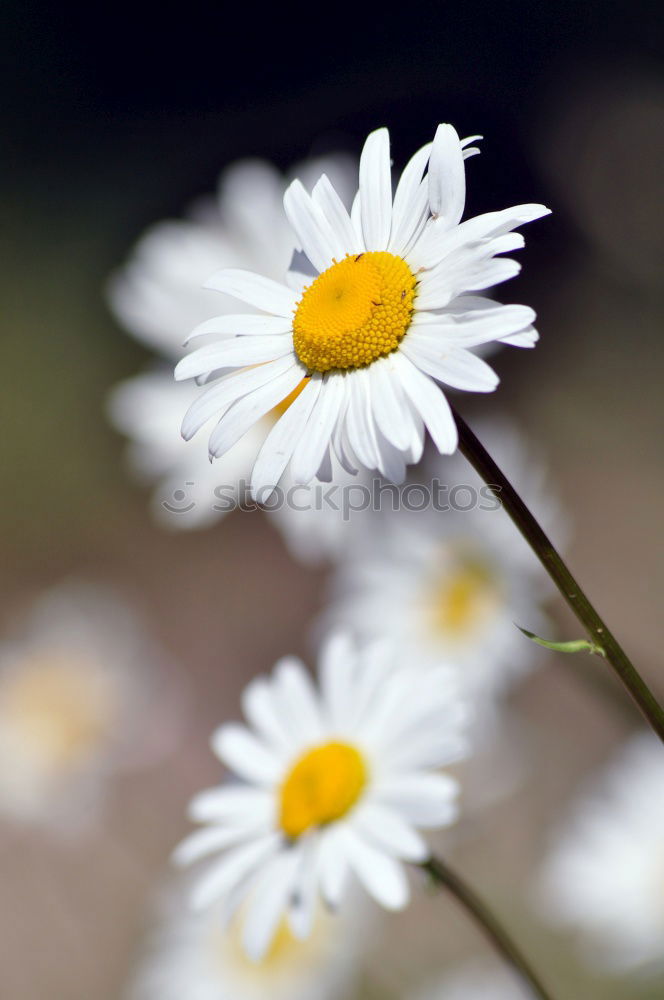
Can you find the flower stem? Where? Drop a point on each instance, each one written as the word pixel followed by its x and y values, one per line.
pixel 444 876
pixel 600 635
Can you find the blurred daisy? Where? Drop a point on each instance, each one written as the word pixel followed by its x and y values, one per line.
pixel 75 693
pixel 605 874
pixel 194 956
pixel 477 981
pixel 159 296
pixel 449 584
pixel 333 781
pixel 391 312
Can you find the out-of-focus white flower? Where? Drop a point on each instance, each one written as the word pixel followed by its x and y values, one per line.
pixel 448 582
pixel 195 956
pixel 159 296
pixel 604 877
pixel 391 312
pixel 333 781
pixel 476 981
pixel 78 699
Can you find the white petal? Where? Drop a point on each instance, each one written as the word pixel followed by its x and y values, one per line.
pixel 388 831
pixel 411 202
pixel 336 666
pixel 447 176
pixel 452 365
pixel 222 877
pixel 311 448
pixel 326 197
pixel 278 447
pixel 235 352
pixel 213 838
pixel 359 424
pixel 216 399
pixel 246 411
pixel 316 236
pixel 246 324
pixel 382 876
pixel 305 890
pixel 263 293
pixel 525 338
pixel 236 803
pixel 297 693
pixel 376 190
pixel 333 866
pixel 389 405
pixel 244 754
pixel 431 403
pixel 427 800
pixel 268 902
pixel 262 711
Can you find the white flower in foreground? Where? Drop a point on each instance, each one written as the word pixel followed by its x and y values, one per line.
pixel 333 782
pixel 392 312
pixel 196 957
pixel 605 876
pixel 76 690
pixel 476 981
pixel 448 584
pixel 159 296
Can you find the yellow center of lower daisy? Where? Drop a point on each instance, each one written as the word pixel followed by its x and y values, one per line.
pixel 355 312
pixel 322 786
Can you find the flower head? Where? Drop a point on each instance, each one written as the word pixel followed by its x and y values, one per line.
pixel 333 781
pixel 391 312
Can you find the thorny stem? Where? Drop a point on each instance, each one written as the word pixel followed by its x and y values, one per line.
pixel 609 648
pixel 442 875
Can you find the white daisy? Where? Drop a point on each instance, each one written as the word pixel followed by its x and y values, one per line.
pixel 392 312
pixel 76 689
pixel 449 584
pixel 159 296
pixel 605 875
pixel 195 956
pixel 476 981
pixel 332 782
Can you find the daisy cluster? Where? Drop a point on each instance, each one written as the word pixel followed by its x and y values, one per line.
pixel 333 315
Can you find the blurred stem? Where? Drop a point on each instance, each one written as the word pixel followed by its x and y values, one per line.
pixel 444 876
pixel 609 648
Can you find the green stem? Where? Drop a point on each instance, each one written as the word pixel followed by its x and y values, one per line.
pixel 444 876
pixel 612 652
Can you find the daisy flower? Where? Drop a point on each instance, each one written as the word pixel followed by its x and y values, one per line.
pixel 476 981
pixel 392 311
pixel 158 296
pixel 604 875
pixel 449 584
pixel 194 955
pixel 76 688
pixel 333 782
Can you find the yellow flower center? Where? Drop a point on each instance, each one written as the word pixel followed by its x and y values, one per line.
pixel 464 598
pixel 355 312
pixel 322 786
pixel 60 709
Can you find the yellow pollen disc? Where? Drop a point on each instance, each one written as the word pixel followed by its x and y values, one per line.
pixel 465 598
pixel 355 312
pixel 322 786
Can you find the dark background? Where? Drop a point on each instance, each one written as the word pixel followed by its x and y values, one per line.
pixel 114 118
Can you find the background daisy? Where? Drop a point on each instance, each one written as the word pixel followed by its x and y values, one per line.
pixel 333 783
pixel 79 699
pixel 194 956
pixel 603 876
